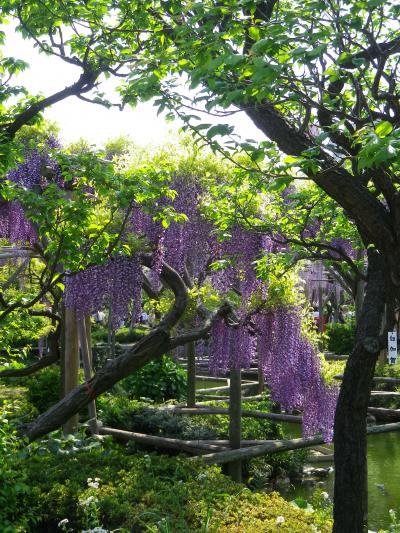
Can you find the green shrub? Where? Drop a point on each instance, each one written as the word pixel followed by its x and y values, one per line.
pixel 43 388
pixel 151 492
pixel 129 335
pixel 99 334
pixel 340 338
pixel 388 371
pixel 124 413
pixel 122 335
pixel 14 489
pixel 159 380
pixel 20 329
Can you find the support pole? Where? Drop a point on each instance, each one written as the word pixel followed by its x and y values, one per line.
pixel 320 310
pixel 87 369
pixel 261 380
pixel 111 335
pixel 235 421
pixel 88 326
pixel 71 364
pixel 191 374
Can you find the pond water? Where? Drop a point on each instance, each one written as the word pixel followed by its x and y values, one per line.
pixel 383 477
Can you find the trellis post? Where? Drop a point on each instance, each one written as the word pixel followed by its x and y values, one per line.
pixel 235 421
pixel 70 370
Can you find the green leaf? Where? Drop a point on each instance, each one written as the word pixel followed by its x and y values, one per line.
pixel 383 129
pixel 219 129
pixel 254 33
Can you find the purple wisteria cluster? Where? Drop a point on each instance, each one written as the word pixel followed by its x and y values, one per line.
pixel 292 370
pixel 291 366
pixel 37 170
pixel 14 226
pixel 191 246
pixel 114 285
pixel 183 245
pixel 241 250
pixel 335 247
pixel 231 346
pixel 345 246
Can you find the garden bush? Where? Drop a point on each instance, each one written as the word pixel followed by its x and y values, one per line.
pixel 14 489
pixel 140 416
pixel 159 380
pixel 43 388
pixel 122 335
pixel 150 492
pixel 340 338
pixel 20 329
pixel 130 335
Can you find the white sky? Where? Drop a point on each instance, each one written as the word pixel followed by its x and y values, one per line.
pixel 76 119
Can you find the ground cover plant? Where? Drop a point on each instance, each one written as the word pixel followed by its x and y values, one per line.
pixel 80 482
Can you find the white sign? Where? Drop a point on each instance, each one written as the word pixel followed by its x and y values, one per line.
pixel 392 347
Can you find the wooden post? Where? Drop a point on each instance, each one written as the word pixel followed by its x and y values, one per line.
pixel 111 335
pixel 71 364
pixel 62 353
pixel 87 369
pixel 383 354
pixel 320 310
pixel 88 327
pixel 235 421
pixel 261 381
pixel 191 374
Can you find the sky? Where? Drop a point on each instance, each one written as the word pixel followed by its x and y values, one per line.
pixel 78 119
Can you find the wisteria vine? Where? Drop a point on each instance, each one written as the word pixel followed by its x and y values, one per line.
pixel 30 174
pixel 289 362
pixel 115 285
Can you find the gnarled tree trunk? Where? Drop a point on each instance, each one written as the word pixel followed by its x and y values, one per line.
pixel 351 505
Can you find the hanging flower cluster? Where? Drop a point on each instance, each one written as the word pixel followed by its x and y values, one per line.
pixel 289 362
pixel 242 249
pixel 14 226
pixel 37 164
pixel 182 244
pixel 231 346
pixel 115 284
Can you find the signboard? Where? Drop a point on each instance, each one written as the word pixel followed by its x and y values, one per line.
pixel 392 347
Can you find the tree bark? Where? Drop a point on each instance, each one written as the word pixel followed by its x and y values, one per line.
pixel 350 509
pixel 44 362
pixel 191 374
